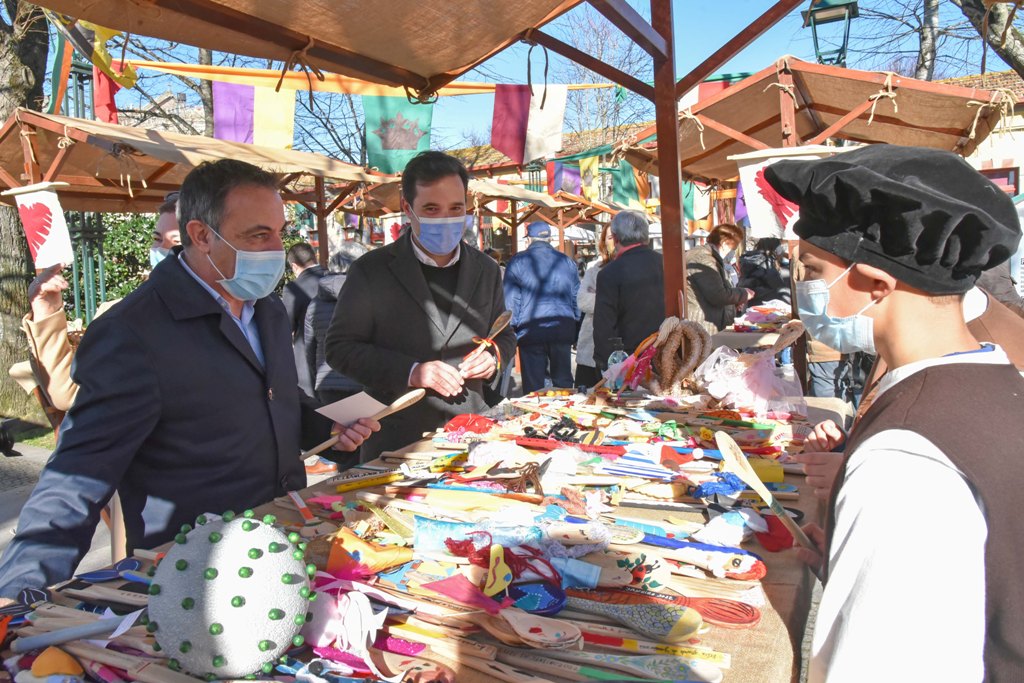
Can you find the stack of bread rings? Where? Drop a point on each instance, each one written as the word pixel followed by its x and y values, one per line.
pixel 681 346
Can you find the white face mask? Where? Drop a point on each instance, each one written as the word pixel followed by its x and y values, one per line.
pixel 846 335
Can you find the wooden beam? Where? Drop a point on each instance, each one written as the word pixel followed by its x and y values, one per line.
pixel 840 124
pixel 113 183
pixel 736 135
pixel 804 100
pixel 667 122
pixel 287 178
pixel 321 221
pixel 160 172
pixel 57 164
pixel 893 121
pixel 28 151
pixel 343 194
pixel 787 109
pixel 685 163
pixel 630 22
pixel 595 65
pixel 733 47
pixel 8 180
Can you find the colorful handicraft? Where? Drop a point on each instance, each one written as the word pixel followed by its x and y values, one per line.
pixel 666 623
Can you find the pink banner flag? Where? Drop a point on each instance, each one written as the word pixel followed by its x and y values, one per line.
pixel 525 125
pixel 233 112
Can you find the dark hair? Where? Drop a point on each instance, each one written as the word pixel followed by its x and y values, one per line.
pixel 301 254
pixel 724 231
pixel 206 187
pixel 169 206
pixel 426 167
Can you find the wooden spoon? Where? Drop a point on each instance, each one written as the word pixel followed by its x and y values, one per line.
pixel 736 462
pixel 399 403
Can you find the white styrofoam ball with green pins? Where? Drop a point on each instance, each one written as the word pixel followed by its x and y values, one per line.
pixel 230 596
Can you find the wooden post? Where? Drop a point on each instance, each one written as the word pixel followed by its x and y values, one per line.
pixel 667 122
pixel 321 221
pixel 787 109
pixel 513 229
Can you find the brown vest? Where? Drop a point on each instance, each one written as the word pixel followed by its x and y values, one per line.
pixel 997 325
pixel 972 413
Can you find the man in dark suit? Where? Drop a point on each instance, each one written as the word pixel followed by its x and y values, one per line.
pixel 188 400
pixel 630 300
pixel 410 313
pixel 296 297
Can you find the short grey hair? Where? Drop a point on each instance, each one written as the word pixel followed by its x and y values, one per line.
pixel 630 227
pixel 206 188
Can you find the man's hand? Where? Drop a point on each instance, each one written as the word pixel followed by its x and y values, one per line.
pixel 350 438
pixel 814 560
pixel 821 470
pixel 439 376
pixel 480 363
pixel 44 292
pixel 826 436
pixel 750 293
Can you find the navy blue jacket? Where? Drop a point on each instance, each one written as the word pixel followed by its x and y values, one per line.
pixel 318 320
pixel 630 301
pixel 176 413
pixel 541 285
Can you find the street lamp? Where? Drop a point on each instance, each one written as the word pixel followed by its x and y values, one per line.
pixel 827 12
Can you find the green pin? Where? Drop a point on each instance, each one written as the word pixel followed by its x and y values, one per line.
pixel 180 539
pixel 151 571
pixel 302 546
pixel 181 565
pixel 266 645
pixel 237 601
pixel 215 536
pixel 151 627
pixel 188 603
pixel 249 525
pixel 185 528
pixel 216 629
pixel 245 572
pixel 300 619
pixel 298 556
pixel 154 589
pixel 210 574
pixel 269 519
pixel 289 579
pixel 156 647
pixel 174 665
pixel 255 553
pixel 184 647
pixel 200 520
pixel 294 537
pixel 297 641
pixel 228 516
pixel 311 569
pixel 249 514
pixel 267 668
pixel 304 592
pixel 218 661
pixel 276 547
pixel 312 596
pixel 275 614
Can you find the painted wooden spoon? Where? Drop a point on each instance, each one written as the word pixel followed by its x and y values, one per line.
pixel 400 403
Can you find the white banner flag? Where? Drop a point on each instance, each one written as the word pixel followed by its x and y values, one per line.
pixel 45 228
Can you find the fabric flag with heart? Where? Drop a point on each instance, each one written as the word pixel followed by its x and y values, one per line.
pixel 527 122
pixel 45 228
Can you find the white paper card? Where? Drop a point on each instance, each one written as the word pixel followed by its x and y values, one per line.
pixel 348 410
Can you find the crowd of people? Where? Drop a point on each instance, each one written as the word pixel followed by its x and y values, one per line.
pixel 197 392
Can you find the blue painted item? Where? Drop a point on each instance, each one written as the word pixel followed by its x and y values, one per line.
pixel 537 597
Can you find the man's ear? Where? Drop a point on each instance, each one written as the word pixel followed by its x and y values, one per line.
pixel 876 281
pixel 199 234
pixel 406 208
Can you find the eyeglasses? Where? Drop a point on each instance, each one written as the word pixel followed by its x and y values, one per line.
pixel 171 196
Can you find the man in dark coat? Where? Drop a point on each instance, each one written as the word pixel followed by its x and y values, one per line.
pixel 296 297
pixel 541 285
pixel 411 313
pixel 630 300
pixel 188 399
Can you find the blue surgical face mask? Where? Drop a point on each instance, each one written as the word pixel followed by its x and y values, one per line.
pixel 256 272
pixel 440 236
pixel 156 255
pixel 846 335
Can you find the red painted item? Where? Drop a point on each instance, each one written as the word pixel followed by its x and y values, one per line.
pixel 552 444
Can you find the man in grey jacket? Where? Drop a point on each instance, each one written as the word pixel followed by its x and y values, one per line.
pixel 412 314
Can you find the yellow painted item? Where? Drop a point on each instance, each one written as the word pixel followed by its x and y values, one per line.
pixel 56 662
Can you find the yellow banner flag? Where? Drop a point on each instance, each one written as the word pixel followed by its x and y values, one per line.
pixel 590 175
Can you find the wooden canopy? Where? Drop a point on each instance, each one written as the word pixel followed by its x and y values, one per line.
pixel 795 103
pixel 118 168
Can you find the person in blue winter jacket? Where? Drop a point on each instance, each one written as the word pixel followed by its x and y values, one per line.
pixel 541 285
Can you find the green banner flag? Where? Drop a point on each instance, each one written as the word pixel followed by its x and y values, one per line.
pixel 396 131
pixel 624 188
pixel 688 193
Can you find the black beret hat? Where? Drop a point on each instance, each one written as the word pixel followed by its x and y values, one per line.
pixel 922 215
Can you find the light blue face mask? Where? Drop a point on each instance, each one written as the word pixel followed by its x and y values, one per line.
pixel 846 335
pixel 256 272
pixel 156 255
pixel 440 236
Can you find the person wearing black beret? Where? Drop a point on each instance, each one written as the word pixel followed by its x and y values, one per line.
pixel 891 239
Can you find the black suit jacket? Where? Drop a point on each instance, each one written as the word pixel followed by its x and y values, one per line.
pixel 386 320
pixel 296 296
pixel 630 301
pixel 175 412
